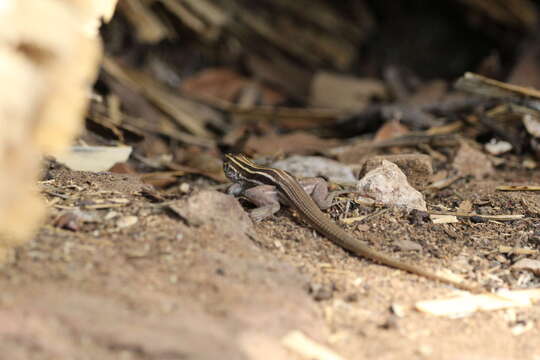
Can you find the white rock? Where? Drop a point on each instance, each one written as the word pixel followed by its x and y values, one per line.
pixel 126 221
pixel 94 158
pixel 495 147
pixel 388 184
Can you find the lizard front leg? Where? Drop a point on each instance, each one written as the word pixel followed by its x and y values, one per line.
pixel 317 188
pixel 264 197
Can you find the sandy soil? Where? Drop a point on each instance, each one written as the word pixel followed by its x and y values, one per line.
pixel 117 273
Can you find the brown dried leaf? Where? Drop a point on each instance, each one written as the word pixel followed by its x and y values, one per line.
pixel 160 179
pixel 344 92
pixel 465 206
pixel 296 142
pixel 225 84
pixel 122 168
pixel 390 130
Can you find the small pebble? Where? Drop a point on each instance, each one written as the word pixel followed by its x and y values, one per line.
pixel 398 310
pixel 320 292
pixel 111 215
pixel 126 221
pixel 418 217
pixel 407 245
pixel 390 323
pixel 478 219
pixel 184 188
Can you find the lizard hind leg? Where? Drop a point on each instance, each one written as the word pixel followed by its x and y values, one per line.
pixel 265 198
pixel 317 188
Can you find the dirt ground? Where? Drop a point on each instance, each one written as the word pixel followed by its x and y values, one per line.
pixel 120 272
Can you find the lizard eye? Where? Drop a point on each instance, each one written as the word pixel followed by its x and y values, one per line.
pixel 229 171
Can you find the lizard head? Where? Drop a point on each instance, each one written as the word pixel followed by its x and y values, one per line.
pixel 232 169
pixel 240 169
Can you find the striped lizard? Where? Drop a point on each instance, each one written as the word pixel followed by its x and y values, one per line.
pixel 268 187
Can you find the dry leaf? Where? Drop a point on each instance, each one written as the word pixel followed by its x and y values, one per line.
pixel 443 219
pixel 468 304
pixel 296 142
pixel 390 130
pixel 465 206
pixel 223 83
pixel 344 92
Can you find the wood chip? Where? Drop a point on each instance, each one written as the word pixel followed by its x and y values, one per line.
pixel 148 27
pixel 509 217
pixel 352 220
pixel 443 219
pixel 488 87
pixel 518 188
pixel 441 184
pixel 518 251
pixel 469 304
pixel 103 206
pixel 531 265
pixel 307 348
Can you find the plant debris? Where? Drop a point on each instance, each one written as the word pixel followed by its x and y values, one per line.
pixel 469 304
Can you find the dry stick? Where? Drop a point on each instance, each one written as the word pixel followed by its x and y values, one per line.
pixel 518 188
pixel 148 27
pixel 509 217
pixel 172 105
pixel 484 86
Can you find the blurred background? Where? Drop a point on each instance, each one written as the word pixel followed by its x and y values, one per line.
pixel 205 77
